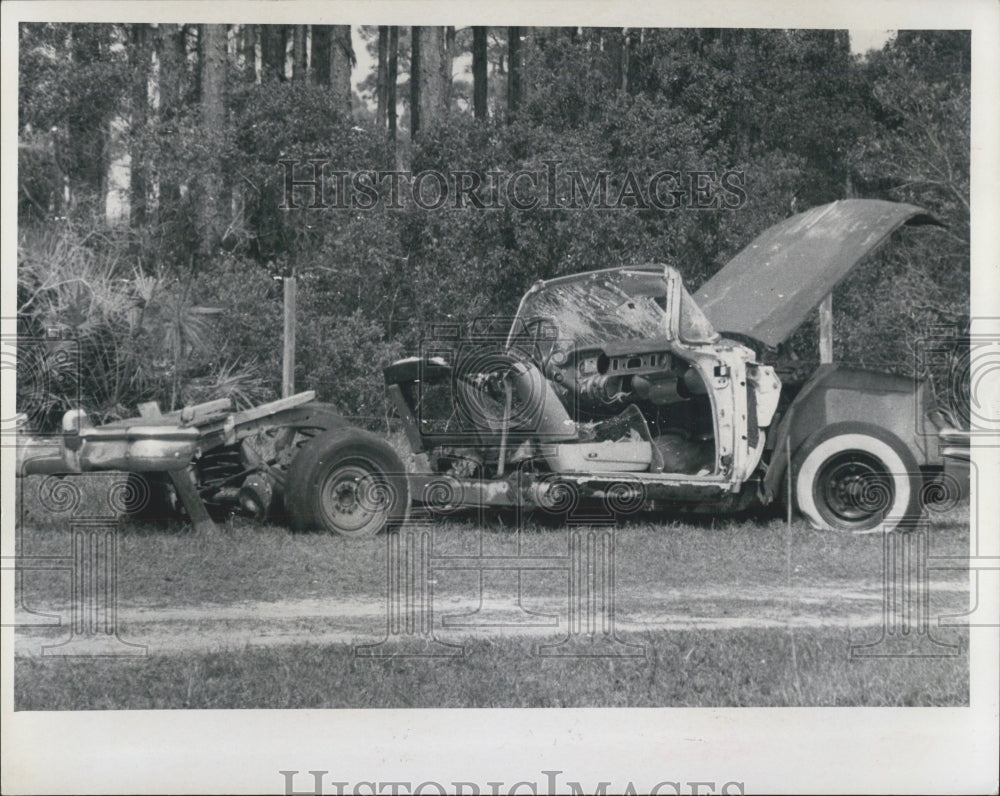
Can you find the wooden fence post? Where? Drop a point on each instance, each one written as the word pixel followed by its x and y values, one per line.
pixel 826 329
pixel 288 357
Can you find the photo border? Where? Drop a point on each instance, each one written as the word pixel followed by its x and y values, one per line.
pixel 776 750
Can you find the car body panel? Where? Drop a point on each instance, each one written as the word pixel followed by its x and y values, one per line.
pixel 615 306
pixel 639 318
pixel 836 394
pixel 767 290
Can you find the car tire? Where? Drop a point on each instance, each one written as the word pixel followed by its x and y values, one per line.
pixel 348 482
pixel 856 477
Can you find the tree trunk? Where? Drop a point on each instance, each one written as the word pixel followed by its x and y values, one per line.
pixel 479 87
pixel 192 43
pixel 447 59
pixel 321 40
pixel 392 72
pixel 287 43
pixel 117 177
pixel 171 53
pixel 614 48
pixel 139 101
pixel 382 78
pixel 213 120
pixel 87 137
pixel 429 78
pixel 416 67
pixel 341 58
pixel 299 55
pixel 248 49
pixel 496 56
pixel 633 45
pixel 272 53
pixel 514 67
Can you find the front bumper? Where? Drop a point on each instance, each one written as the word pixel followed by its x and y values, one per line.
pixel 136 449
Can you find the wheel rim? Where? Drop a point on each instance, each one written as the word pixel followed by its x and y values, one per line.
pixel 354 500
pixel 854 487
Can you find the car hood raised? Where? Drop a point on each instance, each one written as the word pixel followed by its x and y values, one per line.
pixel 767 290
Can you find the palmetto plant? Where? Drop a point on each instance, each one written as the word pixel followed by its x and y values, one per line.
pixel 243 383
pixel 182 331
pixel 109 336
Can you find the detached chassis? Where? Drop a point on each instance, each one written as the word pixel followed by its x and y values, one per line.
pixel 207 459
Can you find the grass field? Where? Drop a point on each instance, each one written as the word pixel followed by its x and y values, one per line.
pixel 681 669
pixel 716 578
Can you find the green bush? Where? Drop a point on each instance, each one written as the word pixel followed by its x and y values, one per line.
pixel 110 335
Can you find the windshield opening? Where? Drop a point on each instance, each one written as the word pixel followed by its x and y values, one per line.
pixel 610 306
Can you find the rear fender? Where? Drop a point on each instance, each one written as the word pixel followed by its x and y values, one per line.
pixel 836 394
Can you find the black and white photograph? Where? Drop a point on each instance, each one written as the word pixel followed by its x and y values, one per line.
pixel 443 398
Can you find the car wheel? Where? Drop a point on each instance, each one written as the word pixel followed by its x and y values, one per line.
pixel 347 482
pixel 855 477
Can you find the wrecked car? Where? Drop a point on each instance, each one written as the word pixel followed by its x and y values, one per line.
pixel 608 393
pixel 618 390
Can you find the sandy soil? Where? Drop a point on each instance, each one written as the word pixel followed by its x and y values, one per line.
pixel 237 626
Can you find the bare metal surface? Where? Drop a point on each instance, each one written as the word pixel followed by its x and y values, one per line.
pixel 768 289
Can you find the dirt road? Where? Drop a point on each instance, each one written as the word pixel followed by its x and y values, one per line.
pixel 236 626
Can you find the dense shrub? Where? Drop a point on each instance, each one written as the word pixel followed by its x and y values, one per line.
pixel 110 335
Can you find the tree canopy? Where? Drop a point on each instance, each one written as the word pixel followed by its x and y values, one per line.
pixel 170 274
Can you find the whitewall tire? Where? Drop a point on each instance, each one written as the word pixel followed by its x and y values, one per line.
pixel 855 477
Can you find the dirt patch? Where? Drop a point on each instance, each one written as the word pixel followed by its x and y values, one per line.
pixel 234 627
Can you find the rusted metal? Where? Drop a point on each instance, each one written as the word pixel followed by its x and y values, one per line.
pixel 178 444
pixel 616 305
pixel 767 290
pixel 185 483
pixel 956 444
